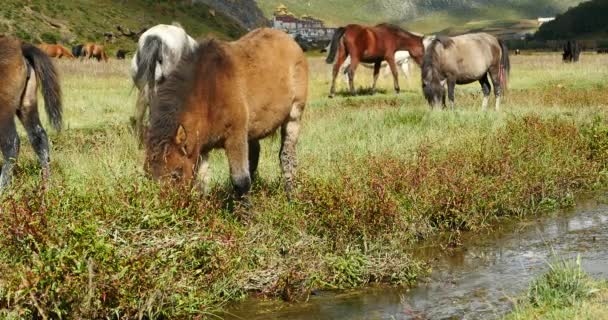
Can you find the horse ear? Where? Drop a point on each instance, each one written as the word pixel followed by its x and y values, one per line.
pixel 180 137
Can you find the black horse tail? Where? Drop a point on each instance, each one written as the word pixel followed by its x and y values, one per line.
pixel 335 43
pixel 147 57
pixel 505 65
pixel 47 76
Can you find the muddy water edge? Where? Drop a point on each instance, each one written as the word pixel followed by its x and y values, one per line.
pixel 477 280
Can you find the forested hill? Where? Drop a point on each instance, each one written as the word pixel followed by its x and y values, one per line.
pixel 68 21
pixel 424 15
pixel 588 20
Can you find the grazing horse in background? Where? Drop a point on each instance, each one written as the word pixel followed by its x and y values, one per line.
pixel 402 59
pixel 372 45
pixel 77 51
pixel 159 50
pixel 23 67
pixel 462 60
pixel 55 50
pixel 572 51
pixel 92 50
pixel 121 54
pixel 228 95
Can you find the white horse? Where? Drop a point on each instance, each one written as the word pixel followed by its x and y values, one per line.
pixel 159 51
pixel 402 59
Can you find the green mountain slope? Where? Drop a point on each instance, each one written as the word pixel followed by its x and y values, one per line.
pixel 422 15
pixel 68 21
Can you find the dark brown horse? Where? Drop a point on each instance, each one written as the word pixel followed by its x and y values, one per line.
pixel 23 67
pixel 228 95
pixel 372 45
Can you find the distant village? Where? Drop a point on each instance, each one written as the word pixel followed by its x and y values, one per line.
pixel 304 28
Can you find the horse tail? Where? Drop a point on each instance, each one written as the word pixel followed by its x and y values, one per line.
pixel 47 75
pixel 147 57
pixel 335 42
pixel 505 65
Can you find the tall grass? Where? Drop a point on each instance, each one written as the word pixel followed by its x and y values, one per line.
pixel 377 174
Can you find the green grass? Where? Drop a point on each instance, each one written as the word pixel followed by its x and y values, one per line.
pixel 377 175
pixel 564 292
pixel 70 22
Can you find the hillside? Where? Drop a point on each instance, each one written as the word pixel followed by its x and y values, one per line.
pixel 585 21
pixel 68 22
pixel 423 15
pixel 246 12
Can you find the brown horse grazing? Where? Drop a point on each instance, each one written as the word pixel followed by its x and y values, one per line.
pixel 23 67
pixel 228 95
pixel 55 50
pixel 92 50
pixel 372 45
pixel 462 60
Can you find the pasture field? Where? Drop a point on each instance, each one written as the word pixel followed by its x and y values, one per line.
pixel 377 174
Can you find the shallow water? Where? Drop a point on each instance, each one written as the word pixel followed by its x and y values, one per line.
pixel 477 281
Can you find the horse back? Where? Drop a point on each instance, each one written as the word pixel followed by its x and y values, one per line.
pixel 469 56
pixel 272 72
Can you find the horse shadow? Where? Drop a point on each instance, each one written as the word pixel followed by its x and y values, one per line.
pixel 363 91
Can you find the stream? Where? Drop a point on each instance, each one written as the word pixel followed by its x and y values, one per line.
pixel 479 280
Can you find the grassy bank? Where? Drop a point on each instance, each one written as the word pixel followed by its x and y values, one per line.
pixel 564 292
pixel 377 174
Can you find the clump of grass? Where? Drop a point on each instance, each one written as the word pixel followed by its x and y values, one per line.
pixel 563 285
pixel 564 292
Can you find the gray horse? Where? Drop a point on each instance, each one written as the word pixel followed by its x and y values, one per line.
pixel 462 60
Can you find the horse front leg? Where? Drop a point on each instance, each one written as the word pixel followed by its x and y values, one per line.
pixel 203 174
pixel 391 63
pixel 377 66
pixel 237 152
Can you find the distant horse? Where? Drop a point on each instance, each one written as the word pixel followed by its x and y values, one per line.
pixel 402 59
pixel 572 51
pixel 517 52
pixel 602 51
pixel 228 95
pixel 159 50
pixel 121 54
pixel 372 45
pixel 462 60
pixel 23 67
pixel 55 50
pixel 77 51
pixel 92 50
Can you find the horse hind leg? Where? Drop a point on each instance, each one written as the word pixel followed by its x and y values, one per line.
pixel 9 144
pixel 496 83
pixel 28 115
pixel 485 89
pixel 336 69
pixel 354 62
pixel 289 139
